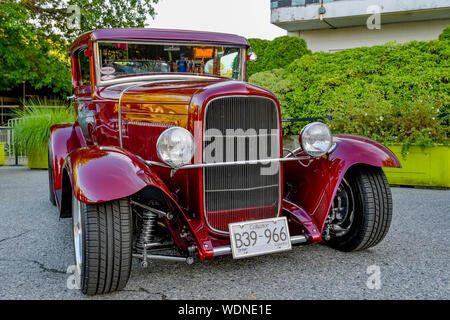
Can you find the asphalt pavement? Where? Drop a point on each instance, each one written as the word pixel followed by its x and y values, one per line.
pixel 412 262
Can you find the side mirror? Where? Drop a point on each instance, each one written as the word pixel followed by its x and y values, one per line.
pixel 252 56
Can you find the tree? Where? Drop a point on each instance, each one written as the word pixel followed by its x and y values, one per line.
pixel 26 57
pixel 35 36
pixel 52 15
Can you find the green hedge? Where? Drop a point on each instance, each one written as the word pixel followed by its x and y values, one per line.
pixel 391 93
pixel 274 54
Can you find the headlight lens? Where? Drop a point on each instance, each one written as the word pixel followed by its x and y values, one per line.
pixel 316 139
pixel 175 146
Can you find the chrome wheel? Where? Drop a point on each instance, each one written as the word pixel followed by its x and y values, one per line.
pixel 77 208
pixel 342 211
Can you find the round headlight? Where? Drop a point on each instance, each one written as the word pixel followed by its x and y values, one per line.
pixel 175 146
pixel 316 139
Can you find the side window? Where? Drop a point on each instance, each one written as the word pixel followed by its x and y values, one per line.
pixel 83 62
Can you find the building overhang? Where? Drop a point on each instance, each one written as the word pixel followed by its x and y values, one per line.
pixel 351 13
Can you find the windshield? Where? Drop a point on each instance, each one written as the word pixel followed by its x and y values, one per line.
pixel 122 59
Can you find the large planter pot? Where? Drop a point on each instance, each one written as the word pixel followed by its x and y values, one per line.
pixel 2 154
pixel 38 160
pixel 421 167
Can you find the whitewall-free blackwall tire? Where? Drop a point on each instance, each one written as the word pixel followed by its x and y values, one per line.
pixel 362 210
pixel 102 236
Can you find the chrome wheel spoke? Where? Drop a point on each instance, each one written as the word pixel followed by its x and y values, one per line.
pixel 341 217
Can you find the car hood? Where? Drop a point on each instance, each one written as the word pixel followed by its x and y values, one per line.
pixel 179 91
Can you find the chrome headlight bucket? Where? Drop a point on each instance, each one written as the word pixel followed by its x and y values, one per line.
pixel 316 139
pixel 175 147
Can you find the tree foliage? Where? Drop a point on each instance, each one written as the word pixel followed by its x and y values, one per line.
pixel 52 15
pixel 24 56
pixel 391 93
pixel 35 36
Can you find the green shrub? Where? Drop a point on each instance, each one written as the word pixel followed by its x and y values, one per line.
pixel 32 132
pixel 445 34
pixel 258 46
pixel 274 54
pixel 405 85
pixel 276 82
pixel 414 122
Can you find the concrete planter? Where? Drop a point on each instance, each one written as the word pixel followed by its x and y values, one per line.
pixel 38 160
pixel 2 154
pixel 421 167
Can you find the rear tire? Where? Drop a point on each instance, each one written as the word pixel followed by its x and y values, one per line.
pixel 103 245
pixel 366 198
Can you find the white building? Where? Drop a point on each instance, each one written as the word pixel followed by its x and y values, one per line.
pixel 333 25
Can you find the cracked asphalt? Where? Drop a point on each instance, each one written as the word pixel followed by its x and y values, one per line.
pixel 36 250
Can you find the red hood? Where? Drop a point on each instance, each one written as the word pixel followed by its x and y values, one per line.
pixel 179 91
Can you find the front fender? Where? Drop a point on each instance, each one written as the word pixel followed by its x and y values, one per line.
pixel 354 149
pixel 313 188
pixel 100 174
pixel 64 137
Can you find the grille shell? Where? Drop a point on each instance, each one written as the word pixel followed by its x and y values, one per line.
pixel 239 192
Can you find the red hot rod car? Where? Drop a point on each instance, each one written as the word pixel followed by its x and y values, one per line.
pixel 173 151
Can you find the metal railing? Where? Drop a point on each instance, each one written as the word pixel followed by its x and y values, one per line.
pixel 7 137
pixel 294 3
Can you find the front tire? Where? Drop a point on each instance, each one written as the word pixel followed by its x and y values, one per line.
pixel 362 210
pixel 103 245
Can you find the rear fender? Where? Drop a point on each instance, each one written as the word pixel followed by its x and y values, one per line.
pixel 313 188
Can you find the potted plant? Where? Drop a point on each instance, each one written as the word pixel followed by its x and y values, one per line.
pixel 32 131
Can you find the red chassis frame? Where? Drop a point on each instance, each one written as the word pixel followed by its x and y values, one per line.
pixel 97 170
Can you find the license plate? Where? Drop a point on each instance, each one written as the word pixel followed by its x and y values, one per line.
pixel 257 237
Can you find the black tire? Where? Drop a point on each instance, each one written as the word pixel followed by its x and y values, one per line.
pixel 372 210
pixel 106 246
pixel 50 175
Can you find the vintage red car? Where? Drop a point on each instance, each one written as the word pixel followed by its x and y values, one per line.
pixel 173 149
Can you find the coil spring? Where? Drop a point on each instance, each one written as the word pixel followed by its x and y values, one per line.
pixel 145 235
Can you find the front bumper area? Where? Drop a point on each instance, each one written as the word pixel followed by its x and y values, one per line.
pixel 226 250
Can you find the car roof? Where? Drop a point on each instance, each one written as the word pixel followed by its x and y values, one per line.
pixel 161 34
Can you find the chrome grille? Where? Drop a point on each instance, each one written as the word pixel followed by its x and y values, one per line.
pixel 240 192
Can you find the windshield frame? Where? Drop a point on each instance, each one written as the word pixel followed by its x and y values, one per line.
pixel 150 76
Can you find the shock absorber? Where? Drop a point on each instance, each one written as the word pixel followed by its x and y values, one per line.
pixel 145 240
pixel 147 227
